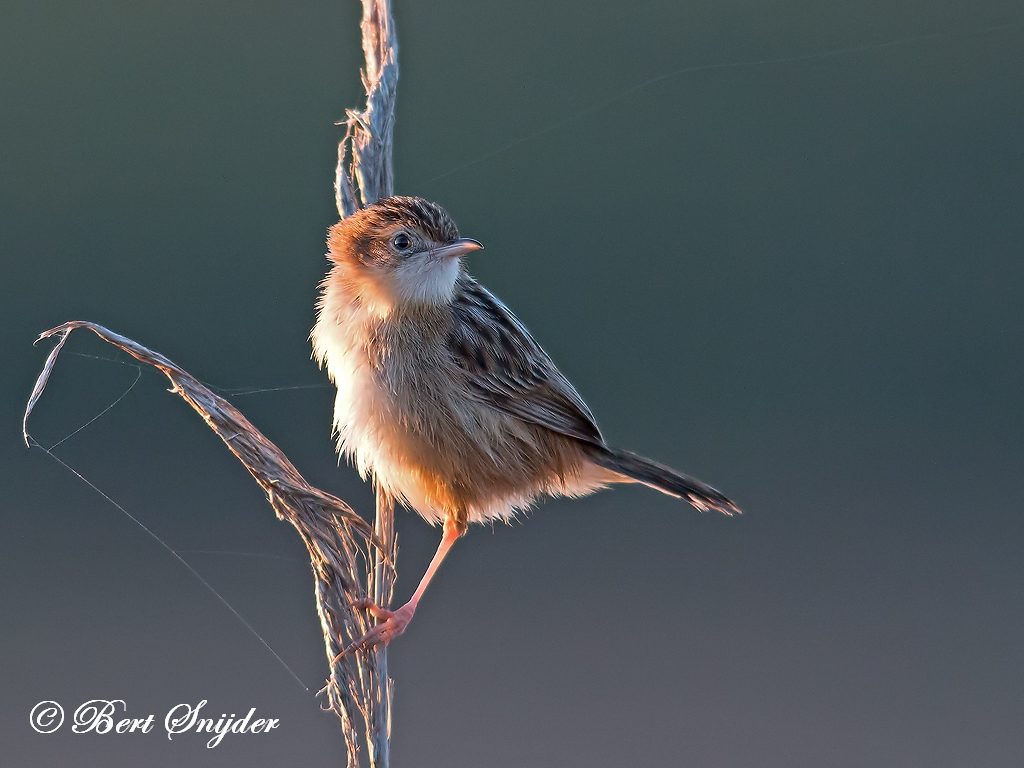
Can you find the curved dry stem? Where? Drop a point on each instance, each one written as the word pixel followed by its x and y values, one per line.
pixel 337 539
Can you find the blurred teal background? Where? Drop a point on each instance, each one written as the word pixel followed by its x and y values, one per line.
pixel 801 281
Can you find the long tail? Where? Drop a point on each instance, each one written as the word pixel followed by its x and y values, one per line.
pixel 664 479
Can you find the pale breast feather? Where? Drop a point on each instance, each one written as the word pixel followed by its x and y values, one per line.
pixel 508 370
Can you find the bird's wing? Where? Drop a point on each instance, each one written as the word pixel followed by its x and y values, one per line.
pixel 507 369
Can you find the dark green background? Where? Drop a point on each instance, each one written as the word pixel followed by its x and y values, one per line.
pixel 801 281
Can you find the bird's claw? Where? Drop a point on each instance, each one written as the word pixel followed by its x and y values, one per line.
pixel 392 624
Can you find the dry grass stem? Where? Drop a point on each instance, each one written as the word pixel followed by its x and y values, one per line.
pixel 350 560
pixel 364 174
pixel 337 539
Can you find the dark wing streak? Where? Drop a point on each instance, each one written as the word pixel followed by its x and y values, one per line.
pixel 508 370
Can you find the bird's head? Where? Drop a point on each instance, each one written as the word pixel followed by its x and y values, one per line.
pixel 400 251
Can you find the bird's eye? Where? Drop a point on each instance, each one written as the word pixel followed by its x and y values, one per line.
pixel 401 241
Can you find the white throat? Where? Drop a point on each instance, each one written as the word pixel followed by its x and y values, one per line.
pixel 424 279
pixel 348 305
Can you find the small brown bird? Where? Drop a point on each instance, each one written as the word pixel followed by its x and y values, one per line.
pixel 444 398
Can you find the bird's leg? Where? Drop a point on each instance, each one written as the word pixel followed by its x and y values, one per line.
pixel 395 622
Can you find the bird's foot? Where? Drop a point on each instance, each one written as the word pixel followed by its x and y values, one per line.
pixel 392 624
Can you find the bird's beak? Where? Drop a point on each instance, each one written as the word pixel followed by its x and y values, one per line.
pixel 459 247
